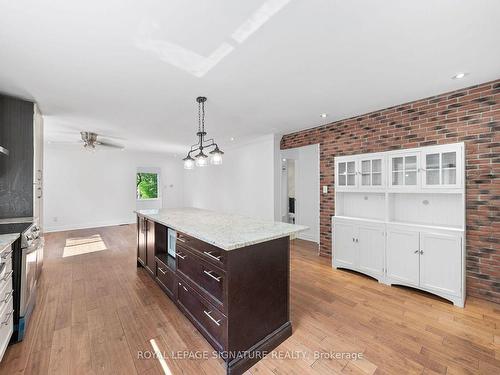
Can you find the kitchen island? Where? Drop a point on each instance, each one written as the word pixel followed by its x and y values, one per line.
pixel 230 276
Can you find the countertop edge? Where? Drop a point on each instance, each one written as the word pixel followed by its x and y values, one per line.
pixel 7 240
pixel 222 246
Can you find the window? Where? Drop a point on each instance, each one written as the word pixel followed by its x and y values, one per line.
pixel 147 185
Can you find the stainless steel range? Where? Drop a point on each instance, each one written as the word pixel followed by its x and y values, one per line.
pixel 27 265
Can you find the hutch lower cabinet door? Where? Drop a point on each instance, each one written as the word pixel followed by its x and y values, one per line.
pixel 402 256
pixel 441 262
pixel 345 251
pixel 359 246
pixel 371 246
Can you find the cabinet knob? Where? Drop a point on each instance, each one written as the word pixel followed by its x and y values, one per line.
pixel 416 252
pixel 421 252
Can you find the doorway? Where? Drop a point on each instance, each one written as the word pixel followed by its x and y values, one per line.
pixel 300 189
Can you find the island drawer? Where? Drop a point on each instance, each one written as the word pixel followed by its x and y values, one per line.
pixel 206 276
pixel 165 277
pixel 209 252
pixel 208 319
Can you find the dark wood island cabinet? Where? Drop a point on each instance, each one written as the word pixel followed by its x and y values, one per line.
pixel 236 294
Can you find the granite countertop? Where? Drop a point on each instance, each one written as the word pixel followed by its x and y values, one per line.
pixel 226 231
pixel 7 240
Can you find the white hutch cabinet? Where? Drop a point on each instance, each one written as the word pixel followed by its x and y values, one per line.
pixel 406 226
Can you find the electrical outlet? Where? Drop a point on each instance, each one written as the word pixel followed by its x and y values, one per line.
pixel 325 189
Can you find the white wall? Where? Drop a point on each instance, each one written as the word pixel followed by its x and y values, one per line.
pixel 83 189
pixel 306 188
pixel 244 183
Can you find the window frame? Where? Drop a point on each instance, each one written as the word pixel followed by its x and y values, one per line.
pixel 158 183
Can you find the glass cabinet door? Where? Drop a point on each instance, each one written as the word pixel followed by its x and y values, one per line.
pixel 346 173
pixel 341 174
pixel 371 172
pixel 449 168
pixel 351 173
pixel 366 172
pixel 404 170
pixel 440 168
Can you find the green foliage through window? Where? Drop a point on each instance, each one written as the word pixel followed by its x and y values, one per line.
pixel 147 185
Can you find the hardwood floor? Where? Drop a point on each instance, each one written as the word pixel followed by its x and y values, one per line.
pixel 97 313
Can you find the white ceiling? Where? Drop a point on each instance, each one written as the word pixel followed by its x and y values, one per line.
pixel 132 69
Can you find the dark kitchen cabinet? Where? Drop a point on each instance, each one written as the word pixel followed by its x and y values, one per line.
pixel 150 247
pixel 141 241
pixel 16 169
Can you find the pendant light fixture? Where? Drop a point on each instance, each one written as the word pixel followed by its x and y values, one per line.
pixel 200 158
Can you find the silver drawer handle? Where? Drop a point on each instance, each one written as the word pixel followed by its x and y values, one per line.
pixel 209 253
pixel 5 255
pixel 183 287
pixel 181 239
pixel 207 313
pixel 181 256
pixel 6 321
pixel 209 273
pixel 7 276
pixel 7 296
pixel 162 270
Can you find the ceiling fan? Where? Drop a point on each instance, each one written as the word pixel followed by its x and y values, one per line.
pixel 90 141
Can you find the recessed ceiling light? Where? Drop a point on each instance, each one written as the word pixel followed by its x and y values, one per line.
pixel 323 115
pixel 459 75
pixel 283 159
pixel 231 139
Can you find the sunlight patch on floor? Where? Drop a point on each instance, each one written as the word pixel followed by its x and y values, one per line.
pixel 83 245
pixel 160 357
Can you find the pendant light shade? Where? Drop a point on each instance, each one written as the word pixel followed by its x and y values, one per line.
pixel 201 159
pixel 216 156
pixel 188 162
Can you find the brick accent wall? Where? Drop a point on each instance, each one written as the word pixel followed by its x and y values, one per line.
pixel 471 115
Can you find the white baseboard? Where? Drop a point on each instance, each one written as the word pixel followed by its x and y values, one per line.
pixel 66 227
pixel 307 237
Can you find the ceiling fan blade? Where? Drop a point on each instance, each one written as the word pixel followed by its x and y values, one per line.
pixel 110 145
pixel 110 136
pixel 65 142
